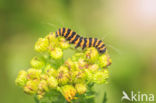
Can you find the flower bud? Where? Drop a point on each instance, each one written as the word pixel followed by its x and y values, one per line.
pixel 31 86
pixel 21 78
pixel 70 64
pixel 34 73
pixel 93 67
pixel 104 60
pixel 43 77
pixel 41 45
pixel 81 64
pixel 91 55
pixel 40 94
pixel 78 76
pixel 52 82
pixel 68 92
pixel 101 76
pixel 89 75
pixel 80 88
pixel 37 63
pixel 56 53
pixel 43 86
pixel 50 71
pixel 51 37
pixel 63 43
pixel 63 75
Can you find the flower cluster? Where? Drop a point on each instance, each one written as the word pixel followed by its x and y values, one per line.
pixel 71 77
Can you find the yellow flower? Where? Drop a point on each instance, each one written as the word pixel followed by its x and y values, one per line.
pixel 56 53
pixel 91 55
pixel 68 92
pixel 104 60
pixel 37 63
pixel 31 86
pixel 21 78
pixel 63 43
pixel 43 86
pixel 63 75
pixel 42 45
pixel 101 76
pixel 33 73
pixel 81 88
pixel 52 82
pixel 50 71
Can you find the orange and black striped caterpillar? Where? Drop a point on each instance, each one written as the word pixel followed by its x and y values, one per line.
pixel 79 41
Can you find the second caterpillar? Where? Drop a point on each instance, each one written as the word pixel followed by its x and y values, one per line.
pixel 79 41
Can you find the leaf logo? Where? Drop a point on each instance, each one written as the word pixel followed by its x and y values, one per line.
pixel 125 96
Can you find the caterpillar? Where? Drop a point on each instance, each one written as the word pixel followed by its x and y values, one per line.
pixel 79 41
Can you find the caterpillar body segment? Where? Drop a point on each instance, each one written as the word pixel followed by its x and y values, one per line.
pixel 79 41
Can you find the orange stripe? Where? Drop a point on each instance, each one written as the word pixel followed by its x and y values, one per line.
pixel 69 34
pixel 76 42
pixel 58 32
pixel 65 32
pixel 82 43
pixel 102 48
pixel 87 44
pixel 97 42
pixel 73 38
pixel 100 44
pixel 92 41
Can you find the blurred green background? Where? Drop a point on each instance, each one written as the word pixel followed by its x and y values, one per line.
pixel 128 27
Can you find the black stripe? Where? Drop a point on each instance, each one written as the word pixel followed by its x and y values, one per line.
pixel 72 35
pixel 85 41
pixel 60 31
pixel 95 39
pixel 77 36
pixel 90 42
pixel 67 33
pixel 56 34
pixel 103 51
pixel 98 43
pixel 102 46
pixel 78 44
pixel 63 31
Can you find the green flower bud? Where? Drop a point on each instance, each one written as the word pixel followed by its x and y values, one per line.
pixel 104 60
pixel 41 45
pixel 33 73
pixel 89 75
pixel 56 53
pixel 91 55
pixel 50 71
pixel 31 86
pixel 52 82
pixel 63 75
pixel 37 63
pixel 43 77
pixel 101 76
pixel 70 64
pixel 63 43
pixel 81 88
pixel 93 68
pixel 40 94
pixel 21 78
pixel 68 92
pixel 78 76
pixel 43 86
pixel 81 64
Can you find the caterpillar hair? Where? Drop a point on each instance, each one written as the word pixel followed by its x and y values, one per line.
pixel 79 41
